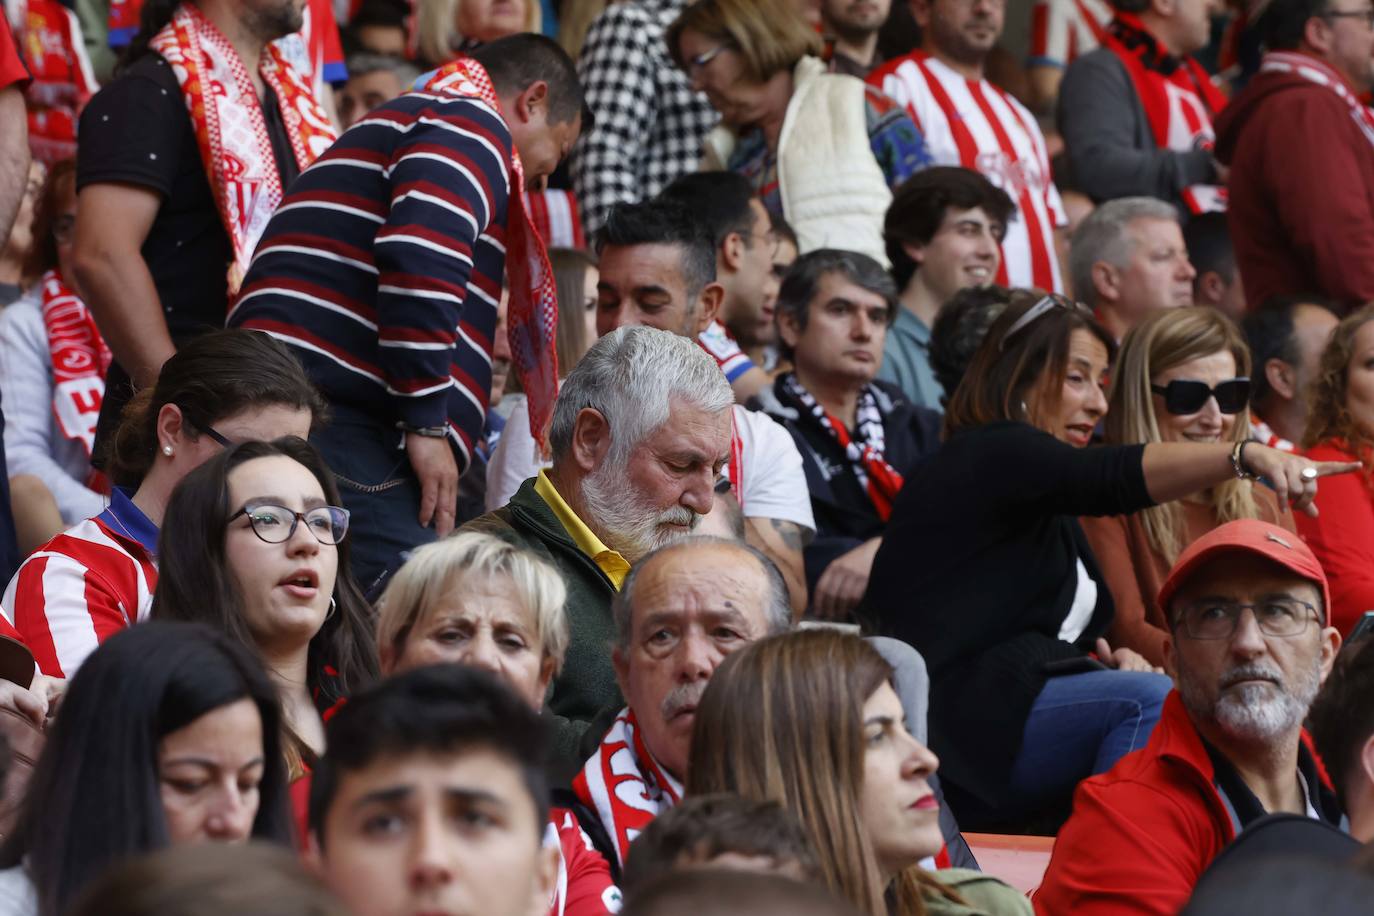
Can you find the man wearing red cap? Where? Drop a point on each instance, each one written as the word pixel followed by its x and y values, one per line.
pixel 1248 647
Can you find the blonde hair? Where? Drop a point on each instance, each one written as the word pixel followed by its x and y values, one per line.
pixel 575 21
pixel 1167 339
pixel 782 720
pixel 436 570
pixel 437 33
pixel 1328 416
pixel 770 35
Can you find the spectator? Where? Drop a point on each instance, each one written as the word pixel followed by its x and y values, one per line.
pixel 1129 259
pixel 416 370
pixel 858 436
pixel 576 277
pixel 680 612
pixel 960 328
pixel 1061 32
pixel 162 209
pixel 1229 745
pixel 811 719
pixel 14 165
pixel 725 205
pixel 1285 884
pixel 18 242
pixel 52 367
pixel 1136 114
pixel 472 599
pixel 943 232
pixel 63 80
pixel 757 62
pixel 98 577
pixel 647 121
pixel 1217 283
pixel 373 80
pixel 760 343
pixel 450 760
pixel 182 751
pixel 379 27
pixel 447 28
pixel 721 831
pixel 1182 376
pixel 851 27
pixel 1302 215
pixel 236 556
pixel 970 122
pixel 719 892
pixel 1341 428
pixel 1287 335
pixel 995 506
pixel 1342 724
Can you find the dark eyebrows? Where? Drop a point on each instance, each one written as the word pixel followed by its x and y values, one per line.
pixel 394 794
pixel 309 502
pixel 208 764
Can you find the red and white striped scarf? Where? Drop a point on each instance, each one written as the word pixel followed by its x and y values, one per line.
pixel 79 360
pixel 624 785
pixel 532 320
pixel 1313 70
pixel 231 130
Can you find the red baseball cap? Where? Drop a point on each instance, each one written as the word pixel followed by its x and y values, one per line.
pixel 1277 545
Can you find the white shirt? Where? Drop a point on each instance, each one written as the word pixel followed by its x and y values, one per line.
pixel 1081 611
pixel 18 896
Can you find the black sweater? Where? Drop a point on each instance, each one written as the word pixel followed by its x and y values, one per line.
pixel 978 570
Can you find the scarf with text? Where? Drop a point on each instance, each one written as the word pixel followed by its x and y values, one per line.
pixel 1179 99
pixel 1313 70
pixel 532 320
pixel 231 129
pixel 50 37
pixel 79 360
pixel 864 449
pixel 624 785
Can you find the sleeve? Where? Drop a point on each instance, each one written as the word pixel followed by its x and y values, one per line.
pixel 774 483
pixel 617 72
pixel 1098 114
pixel 591 891
pixel 446 190
pixel 897 144
pixel 26 393
pixel 148 157
pixel 326 52
pixel 13 71
pixel 513 461
pixel 1049 38
pixel 1110 544
pixel 733 361
pixel 1342 537
pixel 63 610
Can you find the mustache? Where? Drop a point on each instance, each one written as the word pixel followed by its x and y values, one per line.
pixel 681 697
pixel 1251 672
pixel 679 515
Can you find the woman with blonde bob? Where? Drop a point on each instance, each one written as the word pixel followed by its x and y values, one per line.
pixel 445 28
pixel 810 720
pixel 1182 376
pixel 822 149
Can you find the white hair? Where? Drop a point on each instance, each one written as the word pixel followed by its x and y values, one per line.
pixel 1102 237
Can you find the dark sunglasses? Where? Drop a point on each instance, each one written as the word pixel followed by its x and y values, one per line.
pixel 1185 396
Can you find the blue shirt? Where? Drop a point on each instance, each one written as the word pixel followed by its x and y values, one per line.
pixel 124 517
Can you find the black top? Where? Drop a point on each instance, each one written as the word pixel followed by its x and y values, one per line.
pixel 136 130
pixel 978 571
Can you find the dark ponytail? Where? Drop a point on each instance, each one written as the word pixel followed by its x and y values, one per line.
pixel 154 17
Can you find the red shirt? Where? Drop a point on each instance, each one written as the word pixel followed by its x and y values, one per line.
pixel 1342 536
pixel 12 69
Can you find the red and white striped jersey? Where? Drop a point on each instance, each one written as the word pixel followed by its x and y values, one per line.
pixel 1064 30
pixel 584 885
pixel 974 124
pixel 76 591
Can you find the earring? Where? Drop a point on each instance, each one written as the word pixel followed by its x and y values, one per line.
pixel 167 450
pixel 332 608
pixel 1025 411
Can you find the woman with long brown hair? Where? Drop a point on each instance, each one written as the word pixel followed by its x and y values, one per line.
pixel 810 719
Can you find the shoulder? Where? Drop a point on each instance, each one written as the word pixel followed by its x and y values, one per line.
pixel 1330 450
pixel 18 896
pixel 23 316
pixel 984 893
pixel 901 68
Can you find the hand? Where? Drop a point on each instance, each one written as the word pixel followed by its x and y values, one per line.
pixel 1124 659
pixel 31 704
pixel 1284 472
pixel 54 688
pixel 432 459
pixel 841 587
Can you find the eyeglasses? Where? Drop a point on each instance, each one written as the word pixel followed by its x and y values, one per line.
pixel 1047 304
pixel 206 428
pixel 705 57
pixel 1185 396
pixel 1366 15
pixel 277 524
pixel 1219 619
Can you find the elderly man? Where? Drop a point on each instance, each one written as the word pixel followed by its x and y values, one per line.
pixel 1249 647
pixel 1287 335
pixel 1128 259
pixel 640 431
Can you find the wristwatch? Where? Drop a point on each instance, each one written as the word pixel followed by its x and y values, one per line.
pixel 429 432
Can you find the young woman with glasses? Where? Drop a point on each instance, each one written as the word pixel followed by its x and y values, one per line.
pixel 1182 376
pixel 985 570
pixel 254 546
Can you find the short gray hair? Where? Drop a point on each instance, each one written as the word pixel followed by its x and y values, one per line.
pixel 1102 237
pixel 629 377
pixel 365 62
pixel 777 611
pixel 803 282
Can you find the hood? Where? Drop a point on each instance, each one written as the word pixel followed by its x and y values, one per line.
pixel 1237 114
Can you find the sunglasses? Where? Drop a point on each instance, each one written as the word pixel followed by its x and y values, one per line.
pixel 1185 396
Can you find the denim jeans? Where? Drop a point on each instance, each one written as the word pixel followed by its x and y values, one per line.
pixel 1082 724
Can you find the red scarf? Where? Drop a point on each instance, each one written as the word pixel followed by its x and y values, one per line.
pixel 231 130
pixel 1179 99
pixel 1313 70
pixel 50 37
pixel 624 785
pixel 79 360
pixel 533 312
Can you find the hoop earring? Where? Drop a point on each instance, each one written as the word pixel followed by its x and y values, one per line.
pixel 332 608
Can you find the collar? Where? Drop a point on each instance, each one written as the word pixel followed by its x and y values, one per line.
pixel 1133 35
pixel 908 323
pixel 607 560
pixel 128 521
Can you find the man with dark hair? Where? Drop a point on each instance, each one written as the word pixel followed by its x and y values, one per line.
pixel 1302 212
pixel 373 80
pixel 383 269
pixel 1342 725
pixel 960 329
pixel 725 204
pixel 851 28
pixel 857 436
pixel 720 892
pixel 1249 645
pixel 1217 282
pixel 1136 114
pixel 378 27
pixel 432 797
pixel 1287 335
pixel 943 233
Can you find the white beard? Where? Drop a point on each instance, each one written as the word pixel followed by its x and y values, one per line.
pixel 633 529
pixel 1254 711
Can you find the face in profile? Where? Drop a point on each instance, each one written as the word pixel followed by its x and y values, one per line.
pixel 1359 386
pixel 208 774
pixel 362 93
pixel 192 447
pixel 1158 274
pixel 1082 393
pixel 541 141
pixel 900 812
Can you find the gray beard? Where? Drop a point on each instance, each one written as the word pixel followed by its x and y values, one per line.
pixel 632 529
pixel 1255 711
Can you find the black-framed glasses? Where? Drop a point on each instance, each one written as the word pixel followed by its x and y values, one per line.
pixel 1185 396
pixel 1366 15
pixel 206 428
pixel 1220 619
pixel 277 524
pixel 1047 303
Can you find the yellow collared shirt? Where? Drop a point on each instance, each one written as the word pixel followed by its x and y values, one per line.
pixel 607 560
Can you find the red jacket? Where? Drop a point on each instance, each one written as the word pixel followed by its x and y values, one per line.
pixel 1301 208
pixel 1342 537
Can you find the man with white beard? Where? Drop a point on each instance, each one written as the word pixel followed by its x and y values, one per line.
pixel 1249 646
pixel 640 431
